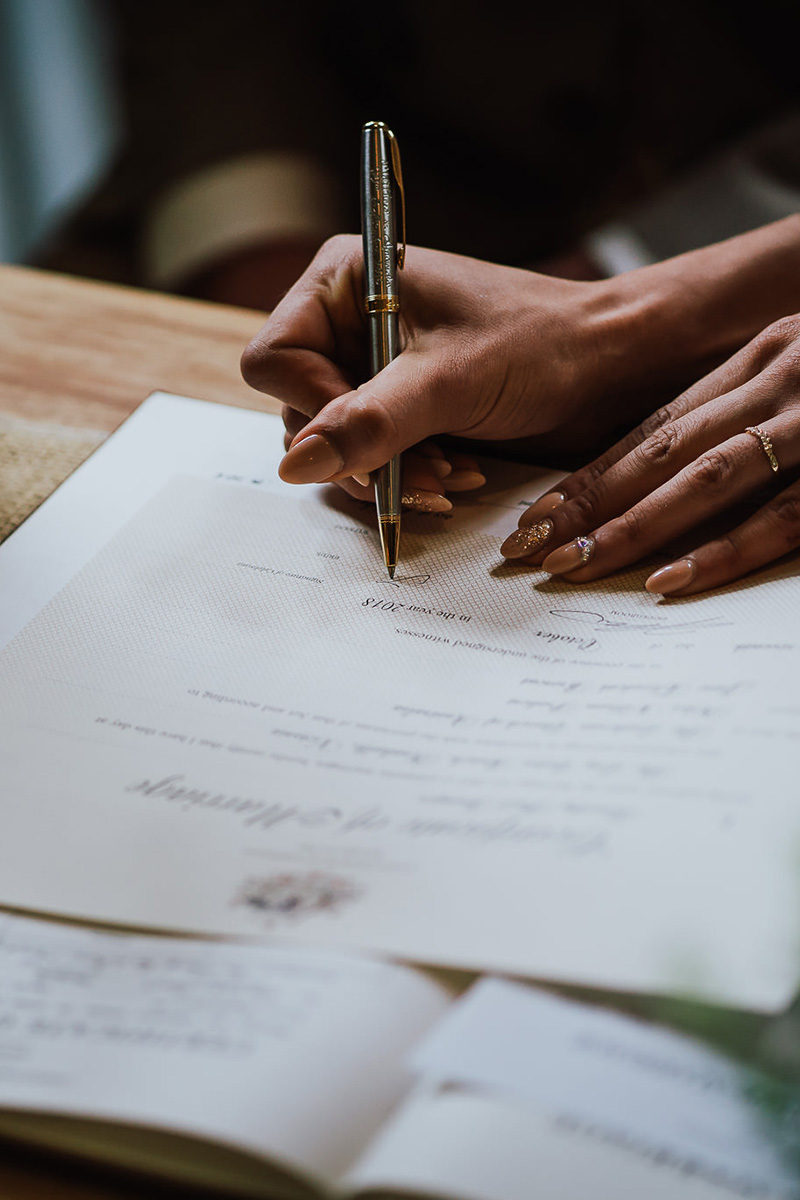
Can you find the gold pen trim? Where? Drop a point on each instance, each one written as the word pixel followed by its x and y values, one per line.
pixel 381 304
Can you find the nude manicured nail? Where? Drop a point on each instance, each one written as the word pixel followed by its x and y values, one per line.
pixel 362 478
pixel 426 502
pixel 545 504
pixel 311 461
pixel 673 578
pixel 465 481
pixel 568 558
pixel 439 466
pixel 527 540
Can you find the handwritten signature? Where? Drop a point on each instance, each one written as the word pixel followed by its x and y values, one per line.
pixel 647 622
pixel 400 580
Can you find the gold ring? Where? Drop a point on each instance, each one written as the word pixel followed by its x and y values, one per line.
pixel 766 445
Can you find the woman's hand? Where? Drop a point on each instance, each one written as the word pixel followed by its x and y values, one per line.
pixel 502 355
pixel 489 353
pixel 717 446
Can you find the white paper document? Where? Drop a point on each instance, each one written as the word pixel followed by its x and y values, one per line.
pixel 287 1055
pixel 656 1096
pixel 288 1073
pixel 531 1095
pixel 219 715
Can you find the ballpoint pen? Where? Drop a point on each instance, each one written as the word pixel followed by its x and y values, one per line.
pixel 381 187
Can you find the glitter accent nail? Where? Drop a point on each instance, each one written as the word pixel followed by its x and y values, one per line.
pixel 427 502
pixel 527 540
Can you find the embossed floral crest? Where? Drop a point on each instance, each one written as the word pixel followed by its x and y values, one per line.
pixel 295 894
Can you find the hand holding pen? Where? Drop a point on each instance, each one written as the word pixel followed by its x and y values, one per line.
pixel 496 354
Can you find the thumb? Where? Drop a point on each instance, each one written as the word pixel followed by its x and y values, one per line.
pixel 361 430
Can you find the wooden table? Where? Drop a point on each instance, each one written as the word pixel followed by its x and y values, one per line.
pixel 86 354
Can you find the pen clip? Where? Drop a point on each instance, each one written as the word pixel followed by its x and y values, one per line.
pixel 398 177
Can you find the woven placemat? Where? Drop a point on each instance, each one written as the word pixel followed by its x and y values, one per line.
pixel 34 459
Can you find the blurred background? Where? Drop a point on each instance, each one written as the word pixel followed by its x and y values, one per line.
pixel 207 149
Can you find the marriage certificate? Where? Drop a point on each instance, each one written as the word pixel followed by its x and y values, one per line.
pixel 219 715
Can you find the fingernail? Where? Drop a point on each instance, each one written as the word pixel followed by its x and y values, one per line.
pixel 545 504
pixel 362 478
pixel 527 540
pixel 673 578
pixel 311 461
pixel 439 466
pixel 567 558
pixel 427 502
pixel 465 481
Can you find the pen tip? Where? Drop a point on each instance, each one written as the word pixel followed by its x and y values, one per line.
pixel 390 544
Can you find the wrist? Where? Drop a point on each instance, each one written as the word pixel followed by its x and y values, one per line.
pixel 673 320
